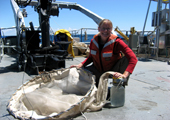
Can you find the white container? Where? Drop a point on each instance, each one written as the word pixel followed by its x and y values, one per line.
pixel 117 95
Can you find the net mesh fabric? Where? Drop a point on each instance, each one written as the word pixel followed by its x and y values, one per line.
pixel 58 94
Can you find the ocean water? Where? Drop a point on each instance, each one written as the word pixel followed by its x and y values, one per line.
pixel 82 37
pixel 89 37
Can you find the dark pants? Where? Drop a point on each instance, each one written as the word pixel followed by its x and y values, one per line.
pixel 120 67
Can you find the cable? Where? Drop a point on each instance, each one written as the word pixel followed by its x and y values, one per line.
pixel 30 39
pixel 82 112
pixel 58 25
pixel 24 89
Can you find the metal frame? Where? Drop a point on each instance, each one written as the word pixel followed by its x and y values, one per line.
pixel 45 57
pixel 157 27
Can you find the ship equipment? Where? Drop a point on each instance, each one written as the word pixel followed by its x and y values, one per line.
pixel 31 54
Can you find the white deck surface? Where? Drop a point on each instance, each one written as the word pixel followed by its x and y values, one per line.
pixel 147 96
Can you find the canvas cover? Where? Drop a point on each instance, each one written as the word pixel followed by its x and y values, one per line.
pixel 57 94
pixel 70 48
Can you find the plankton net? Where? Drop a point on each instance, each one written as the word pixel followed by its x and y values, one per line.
pixel 57 94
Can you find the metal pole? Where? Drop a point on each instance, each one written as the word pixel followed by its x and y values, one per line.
pixel 146 18
pixel 81 34
pixel 18 29
pixel 44 23
pixel 158 26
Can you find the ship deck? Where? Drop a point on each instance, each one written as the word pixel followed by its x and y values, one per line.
pixel 147 96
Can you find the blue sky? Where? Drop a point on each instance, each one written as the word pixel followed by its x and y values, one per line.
pixel 123 13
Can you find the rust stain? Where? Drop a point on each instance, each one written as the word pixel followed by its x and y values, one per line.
pixel 164 79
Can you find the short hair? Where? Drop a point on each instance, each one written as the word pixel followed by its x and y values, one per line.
pixel 101 22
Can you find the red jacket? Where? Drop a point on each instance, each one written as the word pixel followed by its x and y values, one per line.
pixel 110 54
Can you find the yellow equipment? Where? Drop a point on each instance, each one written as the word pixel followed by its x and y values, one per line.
pixel 120 32
pixel 132 30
